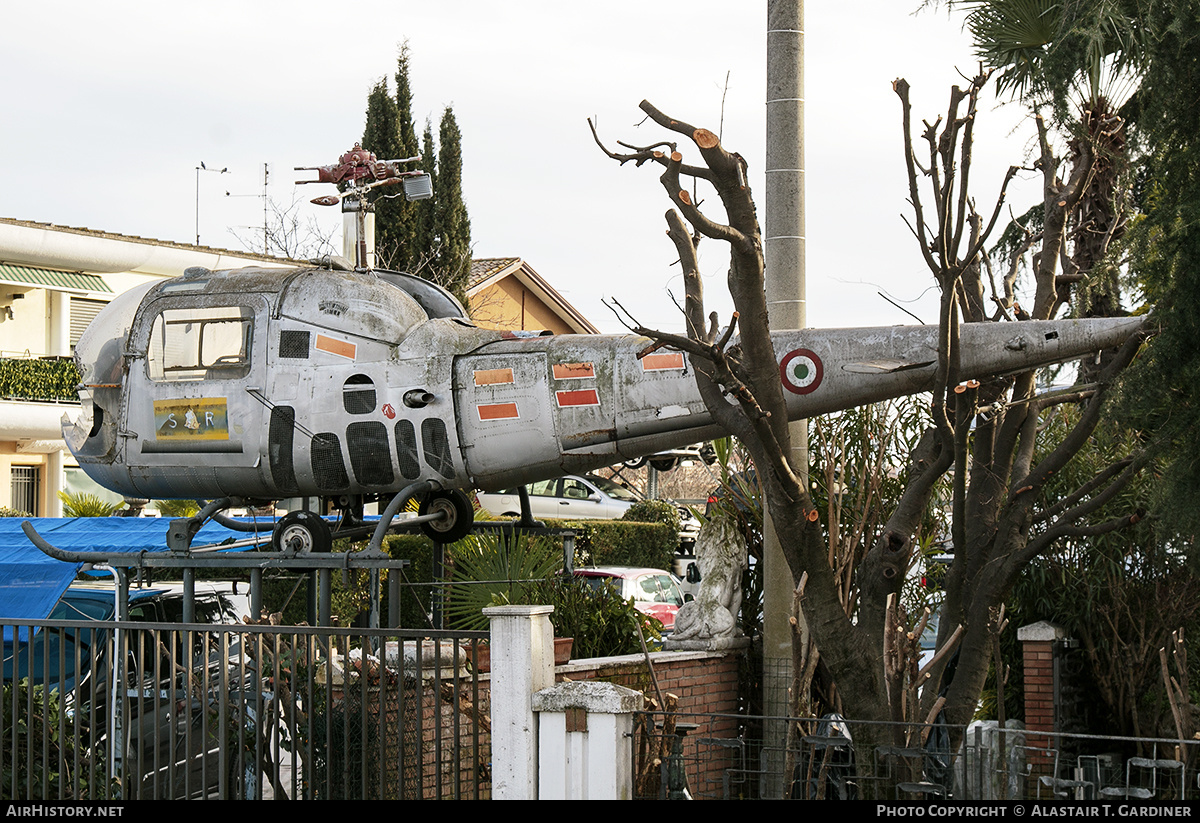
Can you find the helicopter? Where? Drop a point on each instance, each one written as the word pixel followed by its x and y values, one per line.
pixel 352 385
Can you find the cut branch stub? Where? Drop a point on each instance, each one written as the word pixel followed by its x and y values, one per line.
pixel 705 139
pixel 683 195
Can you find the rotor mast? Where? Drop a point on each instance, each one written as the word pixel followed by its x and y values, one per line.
pixel 356 173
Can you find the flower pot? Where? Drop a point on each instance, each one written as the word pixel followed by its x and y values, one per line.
pixel 562 653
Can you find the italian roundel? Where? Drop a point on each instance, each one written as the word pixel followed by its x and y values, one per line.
pixel 801 371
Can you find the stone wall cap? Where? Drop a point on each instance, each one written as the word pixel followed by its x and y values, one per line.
pixel 590 695
pixel 516 611
pixel 1040 631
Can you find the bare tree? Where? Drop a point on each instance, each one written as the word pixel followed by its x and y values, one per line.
pixel 287 234
pixel 998 467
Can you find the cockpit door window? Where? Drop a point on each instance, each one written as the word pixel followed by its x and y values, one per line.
pixel 200 344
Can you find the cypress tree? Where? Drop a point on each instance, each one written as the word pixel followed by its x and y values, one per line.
pixel 425 241
pixel 429 238
pixel 390 134
pixel 453 224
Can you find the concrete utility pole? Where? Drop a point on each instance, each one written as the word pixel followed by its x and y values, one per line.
pixel 783 246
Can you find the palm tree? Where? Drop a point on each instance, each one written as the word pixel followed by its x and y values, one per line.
pixel 1083 57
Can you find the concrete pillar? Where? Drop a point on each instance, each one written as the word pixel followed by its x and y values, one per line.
pixel 783 248
pixel 54 483
pixel 58 326
pixel 585 731
pixel 522 664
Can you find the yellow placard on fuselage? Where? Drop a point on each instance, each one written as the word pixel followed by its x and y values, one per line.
pixel 205 418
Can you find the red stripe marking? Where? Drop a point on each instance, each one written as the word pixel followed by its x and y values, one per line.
pixel 578 397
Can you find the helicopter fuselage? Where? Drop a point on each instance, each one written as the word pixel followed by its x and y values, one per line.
pixel 277 383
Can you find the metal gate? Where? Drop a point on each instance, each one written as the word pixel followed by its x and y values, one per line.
pixel 119 710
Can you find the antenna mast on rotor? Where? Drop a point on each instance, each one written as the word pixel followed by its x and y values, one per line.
pixel 356 173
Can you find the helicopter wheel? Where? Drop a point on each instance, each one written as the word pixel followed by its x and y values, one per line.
pixel 635 463
pixel 300 533
pixel 458 516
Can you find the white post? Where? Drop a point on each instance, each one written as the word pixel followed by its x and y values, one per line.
pixel 522 663
pixel 585 732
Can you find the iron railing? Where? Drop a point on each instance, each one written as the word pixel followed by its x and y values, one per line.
pixel 124 710
pixel 707 756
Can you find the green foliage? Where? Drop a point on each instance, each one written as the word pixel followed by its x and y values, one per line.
pixel 617 543
pixel 391 135
pixel 416 596
pixel 1048 50
pixel 490 570
pixel 1161 395
pixel 5 511
pixel 82 504
pixel 1097 588
pixel 453 224
pixel 44 379
pixel 429 238
pixel 602 624
pixel 858 470
pixel 177 508
pixel 653 511
pixel 426 225
pixel 32 720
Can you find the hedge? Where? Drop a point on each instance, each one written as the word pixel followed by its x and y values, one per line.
pixel 49 379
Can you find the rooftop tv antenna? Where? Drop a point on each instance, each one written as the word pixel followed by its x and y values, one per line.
pixel 357 172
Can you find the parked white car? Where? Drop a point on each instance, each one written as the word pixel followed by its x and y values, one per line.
pixel 576 497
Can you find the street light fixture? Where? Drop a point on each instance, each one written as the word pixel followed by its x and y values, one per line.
pixel 199 169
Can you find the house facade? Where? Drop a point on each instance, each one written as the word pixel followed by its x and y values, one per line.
pixel 55 279
pixel 506 293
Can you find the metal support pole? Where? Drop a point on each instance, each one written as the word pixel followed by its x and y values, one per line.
pixel 394 600
pixel 256 594
pixel 189 595
pixel 324 597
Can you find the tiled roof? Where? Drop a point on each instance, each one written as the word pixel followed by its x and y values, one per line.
pixel 485 267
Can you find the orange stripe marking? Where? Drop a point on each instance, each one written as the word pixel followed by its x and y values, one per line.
pixel 339 347
pixel 492 377
pixel 567 371
pixel 659 362
pixel 498 411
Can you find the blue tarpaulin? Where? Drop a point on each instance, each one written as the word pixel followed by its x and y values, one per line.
pixel 31 582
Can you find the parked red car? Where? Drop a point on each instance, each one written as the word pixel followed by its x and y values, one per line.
pixel 654 591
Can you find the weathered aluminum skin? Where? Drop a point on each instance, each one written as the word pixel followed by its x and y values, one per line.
pixel 310 396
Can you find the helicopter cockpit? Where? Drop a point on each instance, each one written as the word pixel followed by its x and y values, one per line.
pixel 184 377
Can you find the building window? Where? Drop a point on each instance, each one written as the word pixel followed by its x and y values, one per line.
pixel 25 489
pixel 83 312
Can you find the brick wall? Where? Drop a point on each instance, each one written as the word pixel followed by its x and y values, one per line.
pixel 1037 645
pixel 706 684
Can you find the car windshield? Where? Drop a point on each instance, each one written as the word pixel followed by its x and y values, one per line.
pixel 614 490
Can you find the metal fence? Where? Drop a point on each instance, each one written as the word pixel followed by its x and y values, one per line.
pixel 122 710
pixel 705 756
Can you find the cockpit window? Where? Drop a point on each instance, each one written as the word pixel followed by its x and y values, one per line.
pixel 200 344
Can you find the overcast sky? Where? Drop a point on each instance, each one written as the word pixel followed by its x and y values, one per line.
pixel 110 106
